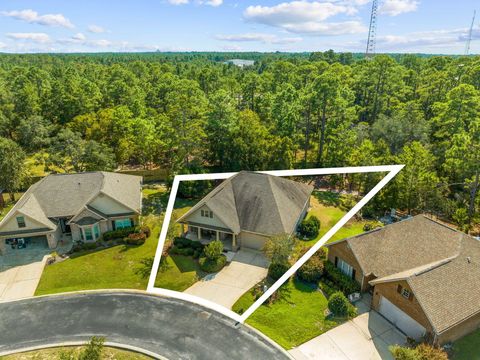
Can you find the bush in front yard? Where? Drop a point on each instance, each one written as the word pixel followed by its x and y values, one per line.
pixel 312 270
pixel 342 281
pixel 213 250
pixel 136 239
pixel 212 265
pixel 338 304
pixel 117 234
pixel 309 227
pixel 276 270
pixel 421 352
pixel 181 251
pixel 182 242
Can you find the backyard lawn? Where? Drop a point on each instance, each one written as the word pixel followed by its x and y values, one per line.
pixel 294 319
pixel 178 273
pixel 327 207
pixel 467 348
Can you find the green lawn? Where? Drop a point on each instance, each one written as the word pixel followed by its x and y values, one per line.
pixel 294 319
pixel 326 206
pixel 467 348
pixel 178 273
pixel 100 269
pixel 55 354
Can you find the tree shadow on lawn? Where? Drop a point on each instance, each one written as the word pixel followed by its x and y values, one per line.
pixel 187 264
pixel 327 198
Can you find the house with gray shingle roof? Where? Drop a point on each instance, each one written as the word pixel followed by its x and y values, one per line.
pixel 74 207
pixel 247 209
pixel 424 276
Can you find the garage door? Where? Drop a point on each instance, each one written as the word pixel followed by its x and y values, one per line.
pixel 401 320
pixel 253 242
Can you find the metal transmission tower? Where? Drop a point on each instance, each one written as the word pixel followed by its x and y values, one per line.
pixel 372 31
pixel 469 39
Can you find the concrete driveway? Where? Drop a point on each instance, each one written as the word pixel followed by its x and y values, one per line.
pixel 20 282
pixel 169 328
pixel 366 337
pixel 248 267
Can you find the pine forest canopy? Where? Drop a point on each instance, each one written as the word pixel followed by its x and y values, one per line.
pixel 192 112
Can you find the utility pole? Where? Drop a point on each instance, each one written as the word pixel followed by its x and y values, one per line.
pixel 469 39
pixel 372 31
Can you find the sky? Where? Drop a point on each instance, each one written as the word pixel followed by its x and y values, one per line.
pixel 425 26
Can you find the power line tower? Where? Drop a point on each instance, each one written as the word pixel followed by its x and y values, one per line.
pixel 372 31
pixel 469 38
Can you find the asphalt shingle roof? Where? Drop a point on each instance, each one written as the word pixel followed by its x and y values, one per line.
pixel 441 265
pixel 64 195
pixel 256 202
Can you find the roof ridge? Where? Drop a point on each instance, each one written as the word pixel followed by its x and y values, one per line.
pixel 271 182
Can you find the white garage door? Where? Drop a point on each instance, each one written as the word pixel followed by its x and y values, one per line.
pixel 253 242
pixel 401 320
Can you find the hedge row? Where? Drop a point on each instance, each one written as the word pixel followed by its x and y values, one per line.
pixel 344 283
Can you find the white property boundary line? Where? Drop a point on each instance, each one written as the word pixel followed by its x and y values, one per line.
pixel 392 171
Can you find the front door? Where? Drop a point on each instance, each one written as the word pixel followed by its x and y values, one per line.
pixel 66 229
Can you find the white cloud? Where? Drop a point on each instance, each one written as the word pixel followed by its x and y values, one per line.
pixel 213 3
pixel 33 17
pixel 304 17
pixel 397 7
pixel 41 38
pixel 95 29
pixel 178 2
pixel 79 36
pixel 258 37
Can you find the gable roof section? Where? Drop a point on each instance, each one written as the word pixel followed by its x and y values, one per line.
pixel 404 245
pixel 255 202
pixel 440 264
pixel 65 195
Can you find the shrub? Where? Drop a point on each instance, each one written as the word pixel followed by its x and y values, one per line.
pixel 327 289
pixel 213 250
pixel 136 239
pixel 428 352
pixel 118 234
pixel 146 230
pixel 93 350
pixel 182 242
pixel 182 251
pixel 338 304
pixel 278 249
pixel 371 226
pixel 404 353
pixel 309 227
pixel 312 270
pixel 212 265
pixel 276 270
pixel 343 282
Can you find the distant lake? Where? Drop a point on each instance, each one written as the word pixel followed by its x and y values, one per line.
pixel 240 62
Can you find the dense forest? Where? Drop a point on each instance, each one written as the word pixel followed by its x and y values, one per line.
pixel 194 113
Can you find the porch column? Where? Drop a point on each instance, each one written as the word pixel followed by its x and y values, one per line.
pixel 234 241
pixel 217 235
pixel 199 233
pixel 183 229
pixel 2 244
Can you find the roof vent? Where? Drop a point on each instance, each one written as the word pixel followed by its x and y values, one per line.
pixel 469 259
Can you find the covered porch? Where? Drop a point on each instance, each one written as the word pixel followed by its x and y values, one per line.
pixel 208 233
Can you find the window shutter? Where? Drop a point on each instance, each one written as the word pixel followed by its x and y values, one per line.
pixel 410 297
pixel 399 289
pixel 132 223
pixel 353 274
pixel 113 225
pixel 336 261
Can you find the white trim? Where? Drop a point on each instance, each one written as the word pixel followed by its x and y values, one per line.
pixel 392 171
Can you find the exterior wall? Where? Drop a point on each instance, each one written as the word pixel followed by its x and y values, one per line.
pixel 76 234
pixel 302 215
pixel 251 240
pixel 343 251
pixel 107 205
pixel 460 330
pixel 411 307
pixel 198 218
pixel 54 237
pixel 86 213
pixel 11 224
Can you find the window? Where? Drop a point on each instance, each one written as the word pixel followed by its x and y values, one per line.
pixel 345 268
pixel 123 223
pixel 211 214
pixel 406 293
pixel 21 222
pixel 96 231
pixel 206 213
pixel 88 233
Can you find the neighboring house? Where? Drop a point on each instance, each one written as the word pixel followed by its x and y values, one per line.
pixel 73 207
pixel 424 276
pixel 247 209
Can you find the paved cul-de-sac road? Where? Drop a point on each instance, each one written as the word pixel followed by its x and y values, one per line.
pixel 170 328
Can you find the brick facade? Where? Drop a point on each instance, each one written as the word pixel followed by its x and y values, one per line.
pixel 342 251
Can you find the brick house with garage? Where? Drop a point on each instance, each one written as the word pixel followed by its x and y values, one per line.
pixel 247 209
pixel 424 276
pixel 73 207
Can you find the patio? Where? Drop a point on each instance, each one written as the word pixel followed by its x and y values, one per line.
pixel 205 236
